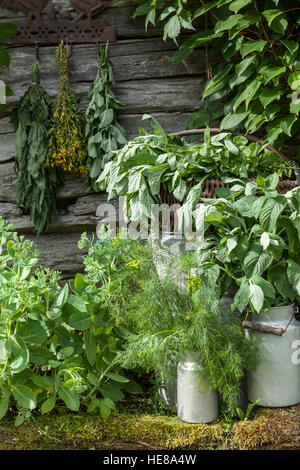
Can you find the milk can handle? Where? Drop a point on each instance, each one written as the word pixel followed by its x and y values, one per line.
pixel 263 328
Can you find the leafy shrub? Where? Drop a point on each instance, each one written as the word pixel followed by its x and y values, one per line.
pixel 252 87
pixel 154 161
pixel 56 343
pixel 252 244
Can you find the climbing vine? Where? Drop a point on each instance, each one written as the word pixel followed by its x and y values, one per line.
pixel 254 87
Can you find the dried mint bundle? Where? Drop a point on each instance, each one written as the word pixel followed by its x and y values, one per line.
pixel 37 185
pixel 66 140
pixel 103 132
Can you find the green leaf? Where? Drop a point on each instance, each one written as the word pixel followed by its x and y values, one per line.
pixel 117 377
pixel 270 211
pixel 294 80
pixel 237 5
pixel 227 24
pixel 204 9
pixel 4 57
pixel 5 351
pixel 256 261
pixel 287 123
pixel 24 396
pixel 265 240
pixel 80 321
pixel 267 95
pixel 172 28
pixel 241 298
pixel 4 400
pixel 180 190
pixel 217 82
pixel 112 392
pixel 266 286
pixel 90 347
pixel 278 276
pixel 253 46
pixel 48 404
pixel 71 399
pixel 20 352
pixel 105 410
pixel 7 31
pixel 63 296
pixel 293 271
pixel 76 303
pixel 232 120
pixel 256 297
pixel 276 20
pixel 32 332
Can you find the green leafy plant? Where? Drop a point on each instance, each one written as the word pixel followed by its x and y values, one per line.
pixel 155 161
pixel 166 320
pixel 7 31
pixel 252 89
pixel 56 346
pixel 103 132
pixel 252 244
pixel 37 186
pixel 159 320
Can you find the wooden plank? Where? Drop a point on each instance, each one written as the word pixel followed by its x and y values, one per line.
pixel 80 216
pixel 60 253
pixel 132 60
pixel 138 96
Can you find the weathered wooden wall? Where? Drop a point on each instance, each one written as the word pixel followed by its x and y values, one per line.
pixel 146 82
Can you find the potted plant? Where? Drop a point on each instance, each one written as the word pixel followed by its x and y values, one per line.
pixel 252 247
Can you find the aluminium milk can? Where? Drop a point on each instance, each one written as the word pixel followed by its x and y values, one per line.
pixel 197 402
pixel 276 381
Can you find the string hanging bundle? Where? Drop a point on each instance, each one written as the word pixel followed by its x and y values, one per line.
pixel 66 140
pixel 103 132
pixel 37 186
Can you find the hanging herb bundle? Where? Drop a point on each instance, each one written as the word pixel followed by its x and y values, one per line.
pixel 103 132
pixel 37 186
pixel 66 144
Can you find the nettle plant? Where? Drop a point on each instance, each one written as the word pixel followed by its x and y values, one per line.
pixel 252 244
pixel 154 161
pixel 57 348
pixel 254 87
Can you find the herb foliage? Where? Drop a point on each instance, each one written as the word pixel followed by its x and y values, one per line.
pixel 37 186
pixel 103 133
pixel 252 88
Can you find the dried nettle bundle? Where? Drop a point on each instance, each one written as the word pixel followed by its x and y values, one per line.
pixel 67 143
pixel 37 186
pixel 103 132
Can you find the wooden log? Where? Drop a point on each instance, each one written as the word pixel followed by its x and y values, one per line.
pixel 79 216
pixel 60 252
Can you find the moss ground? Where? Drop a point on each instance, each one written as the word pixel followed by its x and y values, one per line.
pixel 266 429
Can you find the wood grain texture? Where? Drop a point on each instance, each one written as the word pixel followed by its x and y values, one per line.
pixel 146 82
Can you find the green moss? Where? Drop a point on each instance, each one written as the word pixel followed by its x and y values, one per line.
pixel 269 428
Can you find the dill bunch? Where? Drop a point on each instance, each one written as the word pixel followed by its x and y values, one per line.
pixel 66 140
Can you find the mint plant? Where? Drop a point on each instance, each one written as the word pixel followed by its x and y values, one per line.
pixel 252 244
pixel 154 161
